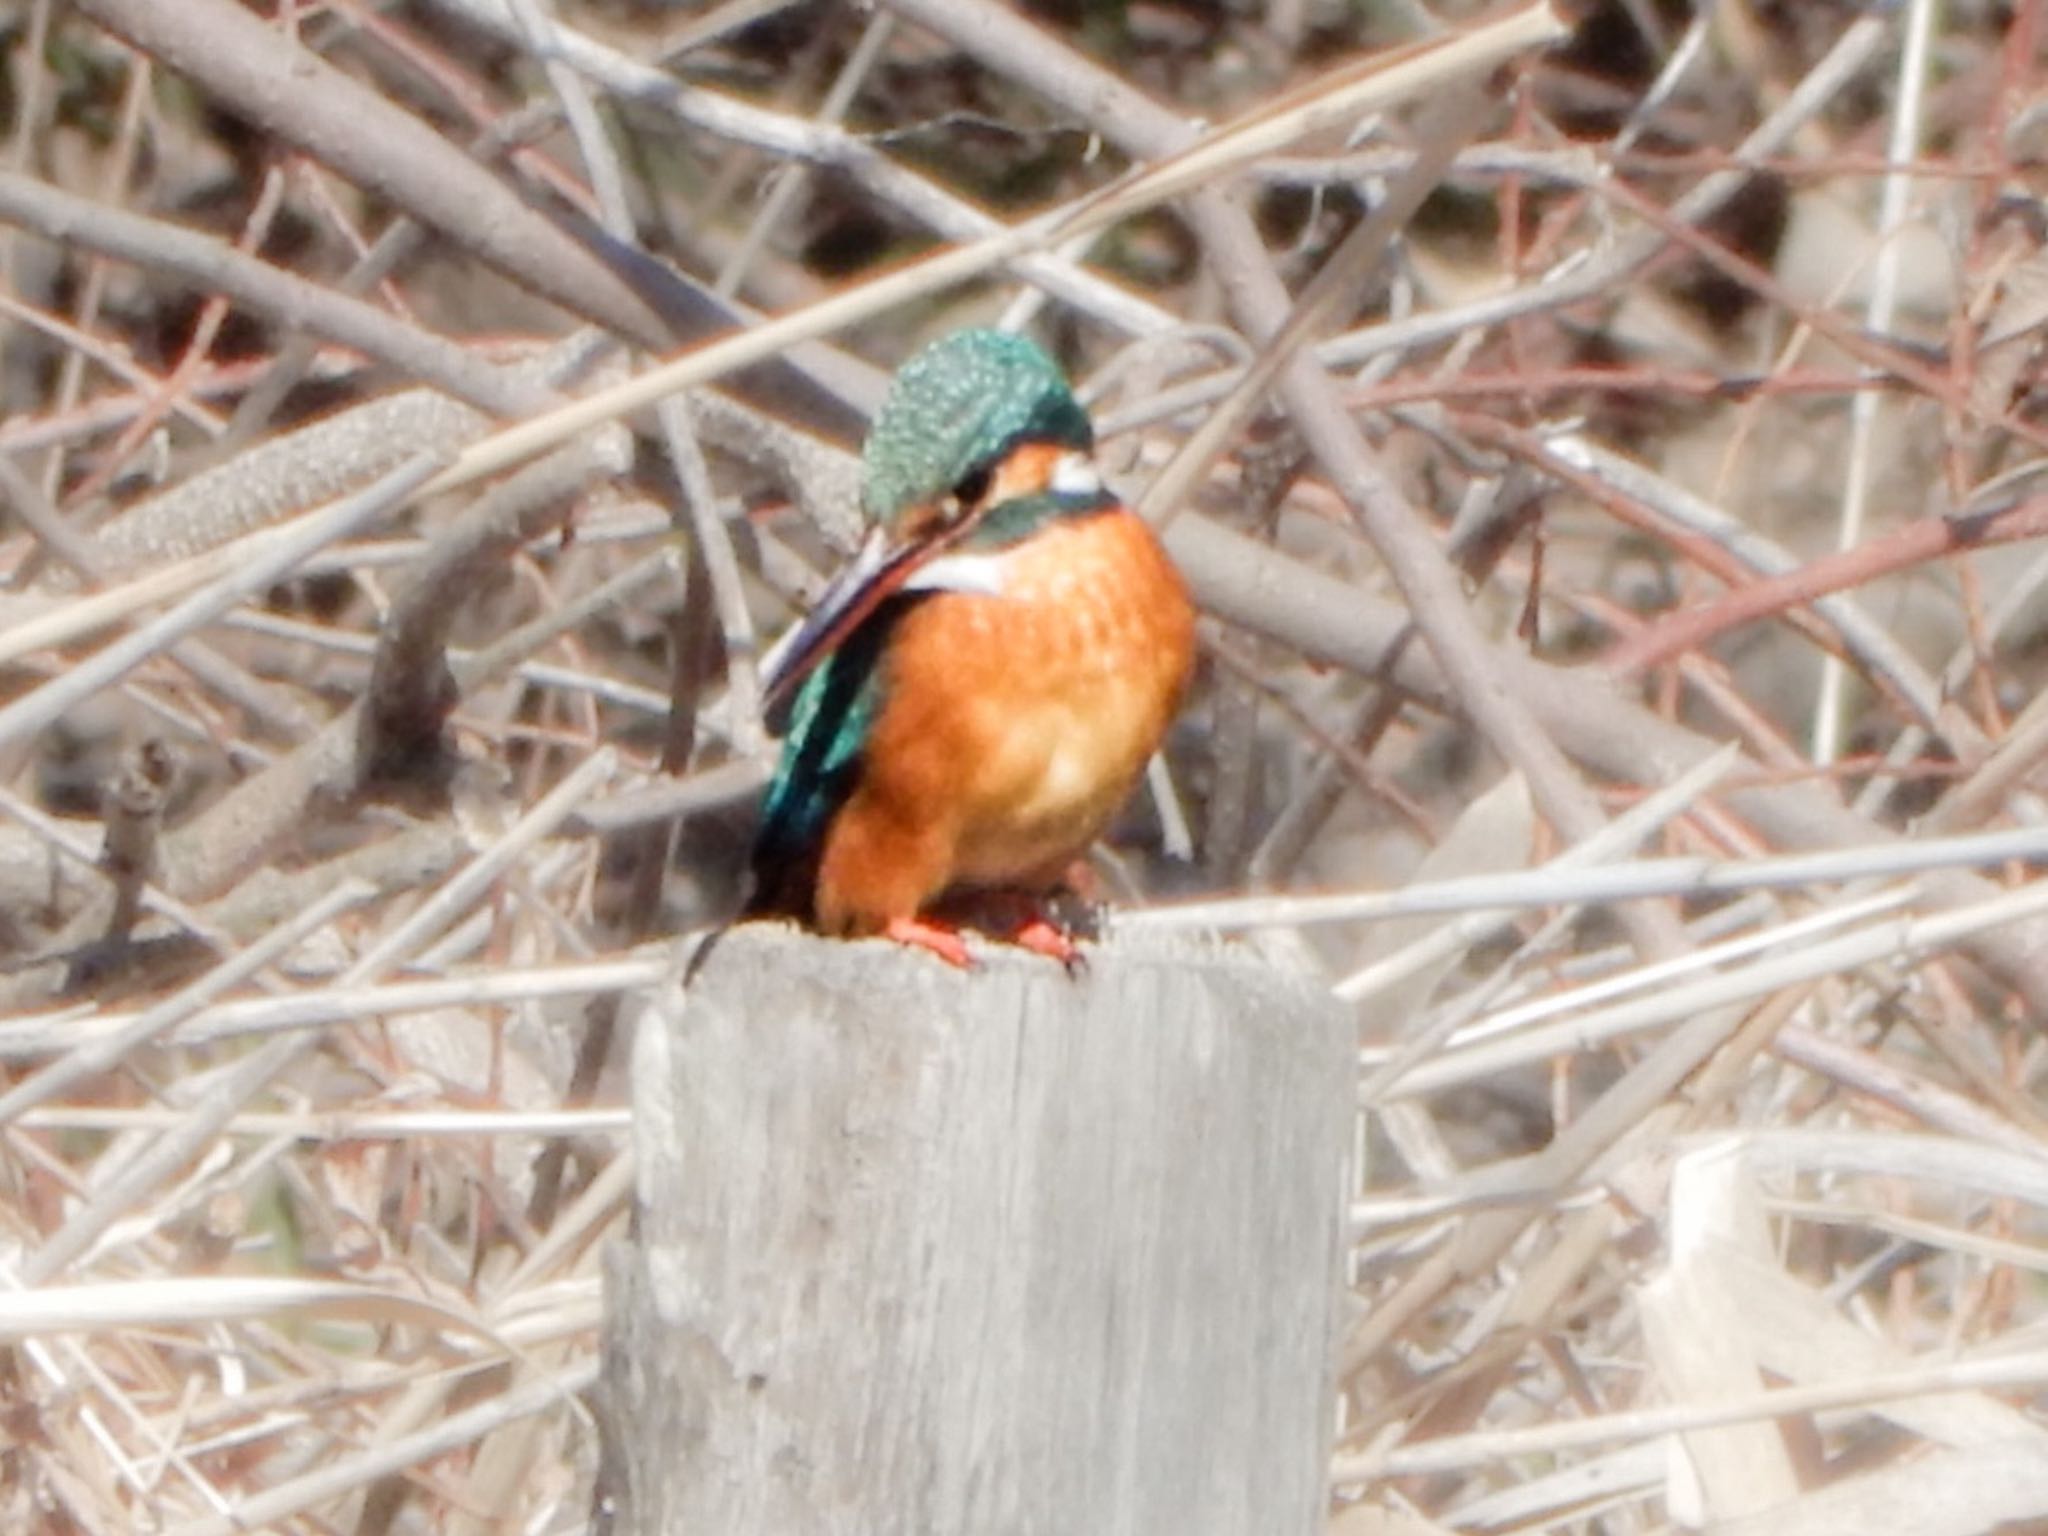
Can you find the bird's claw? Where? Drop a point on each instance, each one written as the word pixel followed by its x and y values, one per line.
pixel 1042 936
pixel 1032 930
pixel 941 940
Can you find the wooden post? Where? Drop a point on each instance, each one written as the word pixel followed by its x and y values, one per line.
pixel 923 1251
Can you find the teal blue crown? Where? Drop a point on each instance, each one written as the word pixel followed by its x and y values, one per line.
pixel 958 406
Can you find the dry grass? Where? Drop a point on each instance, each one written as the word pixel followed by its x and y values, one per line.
pixel 361 682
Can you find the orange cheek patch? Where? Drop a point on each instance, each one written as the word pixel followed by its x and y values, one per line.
pixel 1025 471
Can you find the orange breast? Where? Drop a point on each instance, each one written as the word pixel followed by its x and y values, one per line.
pixel 1013 726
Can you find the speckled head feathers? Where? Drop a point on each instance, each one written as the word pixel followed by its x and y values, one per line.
pixel 960 404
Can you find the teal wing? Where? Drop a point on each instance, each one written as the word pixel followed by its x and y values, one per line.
pixel 830 721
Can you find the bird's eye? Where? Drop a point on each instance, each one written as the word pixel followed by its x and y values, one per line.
pixel 970 488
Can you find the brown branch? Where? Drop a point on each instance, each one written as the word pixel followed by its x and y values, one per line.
pixel 412 687
pixel 286 89
pixel 134 808
pixel 1915 543
pixel 217 267
pixel 1244 582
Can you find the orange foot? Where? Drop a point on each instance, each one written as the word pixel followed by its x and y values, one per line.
pixel 941 940
pixel 1042 936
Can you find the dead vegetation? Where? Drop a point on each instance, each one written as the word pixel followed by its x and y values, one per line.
pixel 1531 420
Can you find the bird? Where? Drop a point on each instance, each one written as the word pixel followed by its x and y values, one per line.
pixel 973 698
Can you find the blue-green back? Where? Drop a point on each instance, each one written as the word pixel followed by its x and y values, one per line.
pixel 830 723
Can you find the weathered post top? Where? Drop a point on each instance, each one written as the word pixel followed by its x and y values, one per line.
pixel 926 1251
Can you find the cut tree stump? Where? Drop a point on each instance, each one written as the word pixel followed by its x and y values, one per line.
pixel 919 1250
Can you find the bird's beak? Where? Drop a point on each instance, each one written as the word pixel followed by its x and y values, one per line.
pixel 878 571
pixel 847 599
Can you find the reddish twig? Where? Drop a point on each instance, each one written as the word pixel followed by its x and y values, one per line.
pixel 1915 543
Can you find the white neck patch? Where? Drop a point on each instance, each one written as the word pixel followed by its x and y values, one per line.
pixel 1074 475
pixel 981 575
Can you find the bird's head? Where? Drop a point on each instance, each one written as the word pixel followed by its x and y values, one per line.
pixel 976 425
pixel 978 445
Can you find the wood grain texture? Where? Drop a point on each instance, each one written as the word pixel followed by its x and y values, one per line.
pixel 925 1251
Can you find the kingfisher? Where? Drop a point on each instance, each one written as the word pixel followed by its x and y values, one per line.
pixel 971 700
